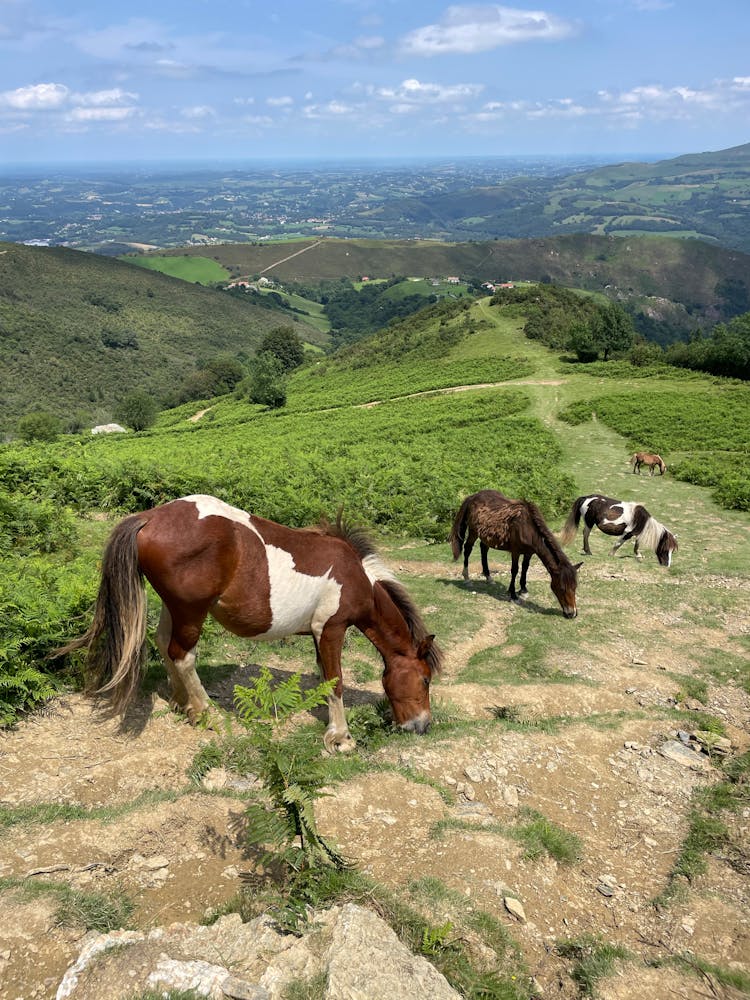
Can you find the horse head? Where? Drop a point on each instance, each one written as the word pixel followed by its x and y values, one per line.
pixel 563 584
pixel 667 545
pixel 406 681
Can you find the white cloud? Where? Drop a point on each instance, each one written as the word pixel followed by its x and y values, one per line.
pixel 100 114
pixel 37 97
pixel 331 109
pixel 414 92
pixel 198 112
pixel 466 30
pixel 104 98
pixel 279 102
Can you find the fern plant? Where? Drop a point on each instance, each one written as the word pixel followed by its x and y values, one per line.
pixel 282 828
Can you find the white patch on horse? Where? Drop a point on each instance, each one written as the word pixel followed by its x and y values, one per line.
pixel 208 506
pixel 299 603
pixel 377 570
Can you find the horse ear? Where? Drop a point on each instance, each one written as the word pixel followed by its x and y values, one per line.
pixel 425 646
pixel 578 566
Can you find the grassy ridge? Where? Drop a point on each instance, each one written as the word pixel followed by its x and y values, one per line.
pixel 671 279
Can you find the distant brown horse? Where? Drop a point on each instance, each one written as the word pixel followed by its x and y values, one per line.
pixel 650 461
pixel 516 526
pixel 261 580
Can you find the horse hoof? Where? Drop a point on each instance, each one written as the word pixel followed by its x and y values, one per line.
pixel 338 743
pixel 523 595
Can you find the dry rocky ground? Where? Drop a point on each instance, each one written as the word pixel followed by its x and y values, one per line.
pixel 624 789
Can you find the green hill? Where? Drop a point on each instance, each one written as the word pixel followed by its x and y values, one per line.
pixel 79 331
pixel 705 195
pixel 684 284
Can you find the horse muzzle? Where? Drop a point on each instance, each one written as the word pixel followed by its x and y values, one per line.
pixel 570 612
pixel 419 724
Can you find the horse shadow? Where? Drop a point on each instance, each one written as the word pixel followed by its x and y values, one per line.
pixel 221 680
pixel 499 592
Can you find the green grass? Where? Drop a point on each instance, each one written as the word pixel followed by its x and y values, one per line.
pixel 593 960
pixel 707 830
pixel 45 813
pixel 538 835
pixel 200 270
pixel 94 911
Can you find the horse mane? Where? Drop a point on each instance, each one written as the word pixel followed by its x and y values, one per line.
pixel 359 540
pixel 549 539
pixel 417 629
pixel 356 537
pixel 652 532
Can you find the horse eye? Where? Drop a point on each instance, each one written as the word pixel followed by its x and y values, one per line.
pixel 426 681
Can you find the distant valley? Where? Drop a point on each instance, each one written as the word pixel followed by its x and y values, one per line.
pixel 703 195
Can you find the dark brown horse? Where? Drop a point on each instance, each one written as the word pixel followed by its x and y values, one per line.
pixel 650 461
pixel 516 526
pixel 261 580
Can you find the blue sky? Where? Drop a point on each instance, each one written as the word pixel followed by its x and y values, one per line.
pixel 93 80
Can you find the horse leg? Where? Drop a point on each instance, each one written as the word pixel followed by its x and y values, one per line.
pixel 328 648
pixel 513 574
pixel 179 698
pixel 586 533
pixel 484 549
pixel 177 640
pixel 636 552
pixel 524 570
pixel 626 536
pixel 471 537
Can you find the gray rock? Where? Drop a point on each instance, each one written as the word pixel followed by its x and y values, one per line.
pixel 683 755
pixel 515 908
pixel 359 953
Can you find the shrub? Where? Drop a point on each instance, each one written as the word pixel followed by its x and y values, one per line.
pixel 39 426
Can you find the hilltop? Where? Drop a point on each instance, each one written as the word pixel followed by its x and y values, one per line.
pixel 79 331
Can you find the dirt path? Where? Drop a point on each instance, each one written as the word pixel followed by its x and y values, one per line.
pixel 593 753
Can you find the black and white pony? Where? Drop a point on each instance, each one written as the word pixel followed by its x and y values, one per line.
pixel 619 517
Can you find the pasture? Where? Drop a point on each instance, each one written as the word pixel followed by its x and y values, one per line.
pixel 564 768
pixel 201 270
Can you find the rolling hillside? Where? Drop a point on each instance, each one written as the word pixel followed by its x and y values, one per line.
pixel 705 195
pixel 684 283
pixel 78 331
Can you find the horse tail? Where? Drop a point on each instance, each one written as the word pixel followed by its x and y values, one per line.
pixel 116 640
pixel 458 529
pixel 570 527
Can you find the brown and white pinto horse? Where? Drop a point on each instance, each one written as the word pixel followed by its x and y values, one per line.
pixel 517 526
pixel 619 517
pixel 260 580
pixel 650 461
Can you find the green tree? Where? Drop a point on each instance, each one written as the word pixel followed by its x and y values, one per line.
pixel 137 410
pixel 266 383
pixel 613 330
pixel 285 345
pixel 583 342
pixel 39 426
